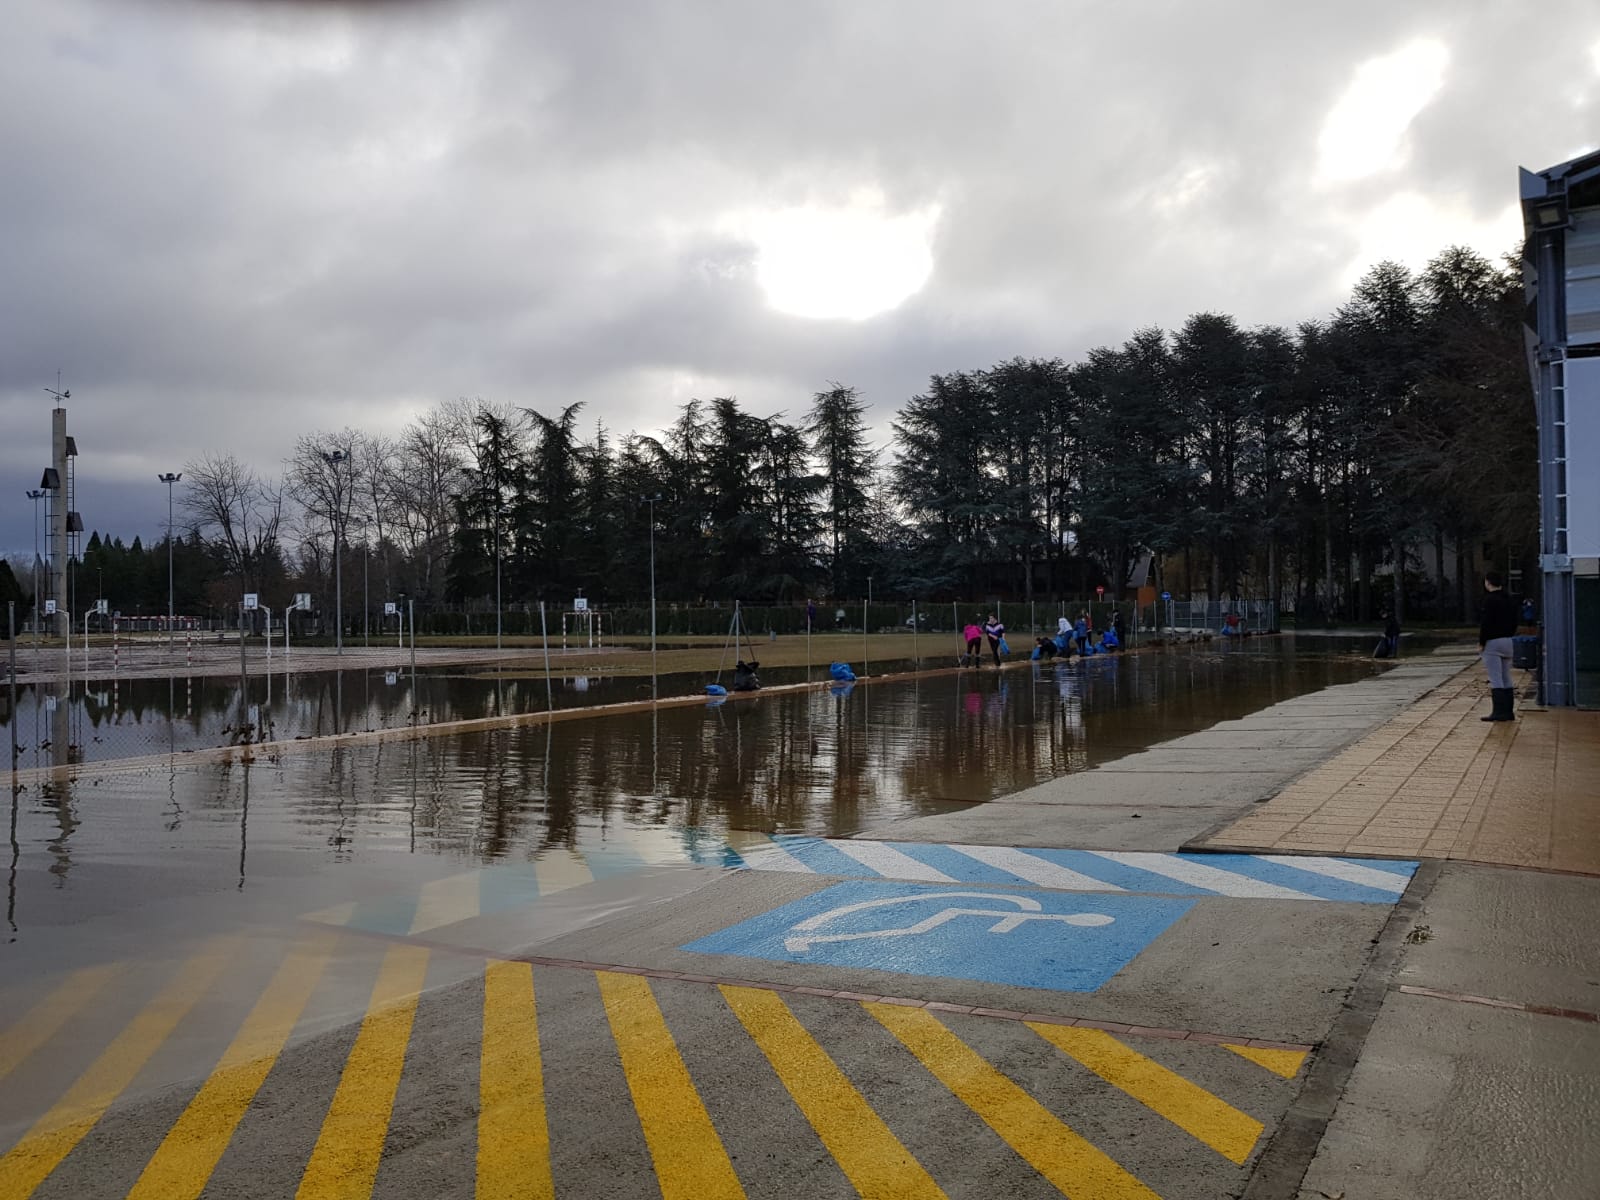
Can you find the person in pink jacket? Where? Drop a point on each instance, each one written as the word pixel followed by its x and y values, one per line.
pixel 974 636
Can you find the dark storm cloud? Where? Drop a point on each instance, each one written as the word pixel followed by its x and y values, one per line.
pixel 229 224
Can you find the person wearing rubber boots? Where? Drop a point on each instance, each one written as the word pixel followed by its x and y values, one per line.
pixel 1496 627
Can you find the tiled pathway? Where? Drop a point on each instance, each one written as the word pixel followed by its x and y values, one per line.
pixel 1436 782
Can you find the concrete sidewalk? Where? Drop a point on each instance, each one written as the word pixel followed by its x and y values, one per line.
pixel 1479 1053
pixel 1436 782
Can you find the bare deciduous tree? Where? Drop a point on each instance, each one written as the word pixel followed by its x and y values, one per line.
pixel 237 512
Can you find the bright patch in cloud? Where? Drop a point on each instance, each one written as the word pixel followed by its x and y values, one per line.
pixel 1411 228
pixel 1183 189
pixel 1363 132
pixel 847 263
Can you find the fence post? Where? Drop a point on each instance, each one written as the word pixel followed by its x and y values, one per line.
pixel 11 651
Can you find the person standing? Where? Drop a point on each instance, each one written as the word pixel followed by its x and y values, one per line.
pixel 1497 626
pixel 996 633
pixel 1080 631
pixel 973 634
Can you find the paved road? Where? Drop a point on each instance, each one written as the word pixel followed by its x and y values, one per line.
pixel 1036 997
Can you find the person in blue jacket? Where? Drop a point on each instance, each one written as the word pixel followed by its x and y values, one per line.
pixel 1080 632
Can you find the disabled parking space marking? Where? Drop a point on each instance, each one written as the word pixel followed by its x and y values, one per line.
pixel 1059 941
pixel 1237 876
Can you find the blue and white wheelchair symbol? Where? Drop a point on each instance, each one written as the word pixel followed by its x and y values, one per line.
pixel 804 936
pixel 1061 941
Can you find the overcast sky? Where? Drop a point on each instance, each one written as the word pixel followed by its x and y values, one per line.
pixel 228 223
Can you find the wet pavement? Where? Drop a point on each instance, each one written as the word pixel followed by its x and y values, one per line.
pixel 540 960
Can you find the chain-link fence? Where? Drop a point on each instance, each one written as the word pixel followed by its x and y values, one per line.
pixel 124 693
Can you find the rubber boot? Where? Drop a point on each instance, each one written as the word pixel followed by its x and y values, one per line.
pixel 1508 697
pixel 1502 698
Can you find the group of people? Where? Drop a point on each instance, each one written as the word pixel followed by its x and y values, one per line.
pixel 1072 637
pixel 1078 637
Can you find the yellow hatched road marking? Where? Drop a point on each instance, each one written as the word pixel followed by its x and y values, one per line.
pixel 876 1162
pixel 1065 1158
pixel 189 1153
pixel 344 1162
pixel 513 1134
pixel 40 1022
pixel 55 1134
pixel 1280 1062
pixel 690 1161
pixel 1191 1108
pixel 446 901
pixel 557 870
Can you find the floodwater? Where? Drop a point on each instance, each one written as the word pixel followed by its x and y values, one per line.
pixel 821 761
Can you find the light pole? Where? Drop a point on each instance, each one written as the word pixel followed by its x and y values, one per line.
pixel 499 510
pixel 366 604
pixel 169 478
pixel 36 495
pixel 333 458
pixel 652 501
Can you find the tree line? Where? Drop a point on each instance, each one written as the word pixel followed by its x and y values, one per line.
pixel 1341 466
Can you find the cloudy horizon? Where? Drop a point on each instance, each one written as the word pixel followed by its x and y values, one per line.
pixel 230 223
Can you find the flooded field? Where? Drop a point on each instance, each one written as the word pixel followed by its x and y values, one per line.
pixel 823 761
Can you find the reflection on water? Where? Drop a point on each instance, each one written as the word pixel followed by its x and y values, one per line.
pixel 821 761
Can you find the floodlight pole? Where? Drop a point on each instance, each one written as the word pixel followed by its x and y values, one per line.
pixel 169 478
pixel 652 501
pixel 497 609
pixel 36 495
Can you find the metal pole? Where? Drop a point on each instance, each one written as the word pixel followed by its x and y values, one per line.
pixel 497 581
pixel 865 605
pixel 411 617
pixel 916 659
pixel 651 501
pixel 1555 565
pixel 11 643
pixel 544 634
pixel 338 592
pixel 366 603
pixel 171 607
pixel 333 458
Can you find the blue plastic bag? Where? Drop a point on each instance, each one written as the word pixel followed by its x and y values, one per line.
pixel 1004 649
pixel 716 689
pixel 842 673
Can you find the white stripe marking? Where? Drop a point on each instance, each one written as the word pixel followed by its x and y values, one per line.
pixel 1035 870
pixel 1383 881
pixel 1186 870
pixel 774 858
pixel 888 861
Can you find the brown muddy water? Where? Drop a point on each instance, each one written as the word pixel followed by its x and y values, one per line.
pixel 822 761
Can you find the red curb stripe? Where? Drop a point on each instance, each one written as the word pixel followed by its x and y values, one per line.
pixel 1543 1010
